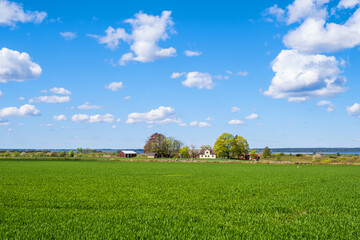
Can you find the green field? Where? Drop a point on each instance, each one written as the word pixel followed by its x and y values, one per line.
pixel 159 200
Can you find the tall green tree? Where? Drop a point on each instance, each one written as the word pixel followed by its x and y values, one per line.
pixel 223 145
pixel 205 147
pixel 266 152
pixel 228 145
pixel 184 152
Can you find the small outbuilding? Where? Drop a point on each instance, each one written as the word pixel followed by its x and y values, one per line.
pixel 206 153
pixel 127 154
pixel 152 155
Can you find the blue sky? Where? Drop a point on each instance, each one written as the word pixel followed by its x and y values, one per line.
pixel 109 74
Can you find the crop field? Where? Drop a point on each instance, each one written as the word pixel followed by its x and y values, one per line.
pixel 167 200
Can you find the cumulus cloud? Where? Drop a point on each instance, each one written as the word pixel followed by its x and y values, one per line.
pixel 1 94
pixel 192 53
pixel 277 12
pixel 199 80
pixel 200 124
pixel 112 37
pixel 23 111
pixel 315 35
pixel 329 105
pixel 161 115
pixel 21 98
pixel 354 110
pixel 107 118
pixel 348 3
pixel 56 90
pixel 47 125
pixel 235 109
pixel 68 35
pixel 16 66
pixel 50 99
pixel 302 9
pixel 236 122
pixel 299 77
pixel 114 86
pixel 12 12
pixel 60 117
pixel 126 98
pixel 88 106
pixel 147 31
pixel 177 74
pixel 252 116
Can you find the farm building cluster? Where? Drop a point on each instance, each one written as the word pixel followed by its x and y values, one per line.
pixel 203 154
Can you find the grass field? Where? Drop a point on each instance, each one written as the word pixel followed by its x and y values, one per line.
pixel 155 200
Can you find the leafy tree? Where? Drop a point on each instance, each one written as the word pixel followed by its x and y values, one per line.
pixel 156 143
pixel 184 152
pixel 239 147
pixel 71 153
pixel 266 152
pixel 7 154
pixel 253 154
pixel 61 154
pixel 223 145
pixel 16 154
pixel 79 150
pixel 227 146
pixel 193 151
pixel 205 147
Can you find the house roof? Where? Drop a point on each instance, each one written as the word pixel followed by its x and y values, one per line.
pixel 129 152
pixel 202 151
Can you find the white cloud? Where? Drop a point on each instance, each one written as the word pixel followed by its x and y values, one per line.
pixel 57 90
pixel 252 116
pixel 200 124
pixel 21 98
pixel 277 12
pixel 50 99
pixel 12 12
pixel 88 106
pixel 61 91
pixel 68 35
pixel 299 77
pixel 235 109
pixel 315 35
pixel 127 98
pixel 107 118
pixel 236 122
pixel 348 3
pixel 47 125
pixel 80 117
pixel 329 106
pixel 209 119
pixel 354 110
pixel 16 66
pixel 192 53
pixel 177 74
pixel 118 120
pixel 1 94
pixel 243 73
pixel 24 111
pixel 114 127
pixel 114 86
pixel 112 37
pixel 147 31
pixel 161 115
pixel 60 117
pixel 199 80
pixel 302 9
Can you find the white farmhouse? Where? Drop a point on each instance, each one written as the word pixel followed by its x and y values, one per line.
pixel 206 153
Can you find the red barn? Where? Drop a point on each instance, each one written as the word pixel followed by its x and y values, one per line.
pixel 127 154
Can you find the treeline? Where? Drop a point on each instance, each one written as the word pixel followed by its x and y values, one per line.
pixel 226 146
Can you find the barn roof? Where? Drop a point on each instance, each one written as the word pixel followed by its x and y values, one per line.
pixel 129 152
